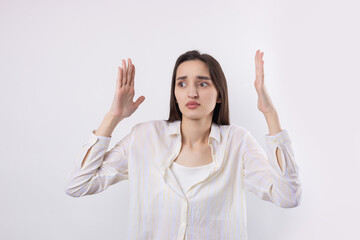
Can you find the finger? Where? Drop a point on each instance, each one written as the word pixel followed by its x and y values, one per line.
pixel 260 58
pixel 119 79
pixel 133 77
pixel 257 56
pixel 132 74
pixel 129 72
pixel 124 72
pixel 139 101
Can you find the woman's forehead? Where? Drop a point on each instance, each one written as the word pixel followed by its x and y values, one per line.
pixel 196 67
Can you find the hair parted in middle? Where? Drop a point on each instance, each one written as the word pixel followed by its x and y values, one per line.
pixel 221 111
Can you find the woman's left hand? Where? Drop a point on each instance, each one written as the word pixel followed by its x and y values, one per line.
pixel 264 101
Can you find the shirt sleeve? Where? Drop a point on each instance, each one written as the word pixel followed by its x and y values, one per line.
pixel 263 175
pixel 102 168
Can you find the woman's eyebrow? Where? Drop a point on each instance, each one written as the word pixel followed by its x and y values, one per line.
pixel 200 77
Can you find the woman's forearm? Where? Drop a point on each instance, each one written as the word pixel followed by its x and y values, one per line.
pixel 273 123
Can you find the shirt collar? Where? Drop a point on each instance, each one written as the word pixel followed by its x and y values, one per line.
pixel 174 128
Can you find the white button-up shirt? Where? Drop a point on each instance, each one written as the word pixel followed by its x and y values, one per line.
pixel 188 176
pixel 213 208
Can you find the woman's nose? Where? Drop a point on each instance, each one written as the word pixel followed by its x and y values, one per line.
pixel 192 92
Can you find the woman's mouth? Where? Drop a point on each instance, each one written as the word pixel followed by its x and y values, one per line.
pixel 193 106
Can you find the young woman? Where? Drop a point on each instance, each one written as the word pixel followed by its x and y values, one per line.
pixel 188 174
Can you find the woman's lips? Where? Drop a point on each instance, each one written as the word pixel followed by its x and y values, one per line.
pixel 193 106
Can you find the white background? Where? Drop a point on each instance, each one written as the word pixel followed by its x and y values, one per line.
pixel 58 68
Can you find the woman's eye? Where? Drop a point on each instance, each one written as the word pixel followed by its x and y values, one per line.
pixel 200 83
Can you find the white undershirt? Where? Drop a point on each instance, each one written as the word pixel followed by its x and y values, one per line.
pixel 188 176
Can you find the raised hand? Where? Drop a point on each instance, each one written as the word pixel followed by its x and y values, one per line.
pixel 123 105
pixel 264 101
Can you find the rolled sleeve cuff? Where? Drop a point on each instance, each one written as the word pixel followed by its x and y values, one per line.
pixel 277 139
pixel 101 141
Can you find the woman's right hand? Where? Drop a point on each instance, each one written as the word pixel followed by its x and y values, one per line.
pixel 123 105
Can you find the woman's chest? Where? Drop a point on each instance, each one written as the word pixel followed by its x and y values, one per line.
pixel 194 157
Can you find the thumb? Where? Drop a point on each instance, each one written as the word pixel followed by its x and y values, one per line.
pixel 139 101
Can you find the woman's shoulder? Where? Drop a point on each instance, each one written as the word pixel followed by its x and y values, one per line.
pixel 155 130
pixel 235 130
pixel 152 123
pixel 156 125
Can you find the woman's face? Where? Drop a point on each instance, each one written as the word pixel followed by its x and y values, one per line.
pixel 193 83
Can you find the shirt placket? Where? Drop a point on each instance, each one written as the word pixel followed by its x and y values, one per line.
pixel 183 219
pixel 175 183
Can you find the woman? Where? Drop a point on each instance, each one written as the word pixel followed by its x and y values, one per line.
pixel 188 175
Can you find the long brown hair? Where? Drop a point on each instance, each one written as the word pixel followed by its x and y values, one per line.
pixel 221 111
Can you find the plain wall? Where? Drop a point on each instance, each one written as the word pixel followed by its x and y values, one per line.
pixel 58 71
